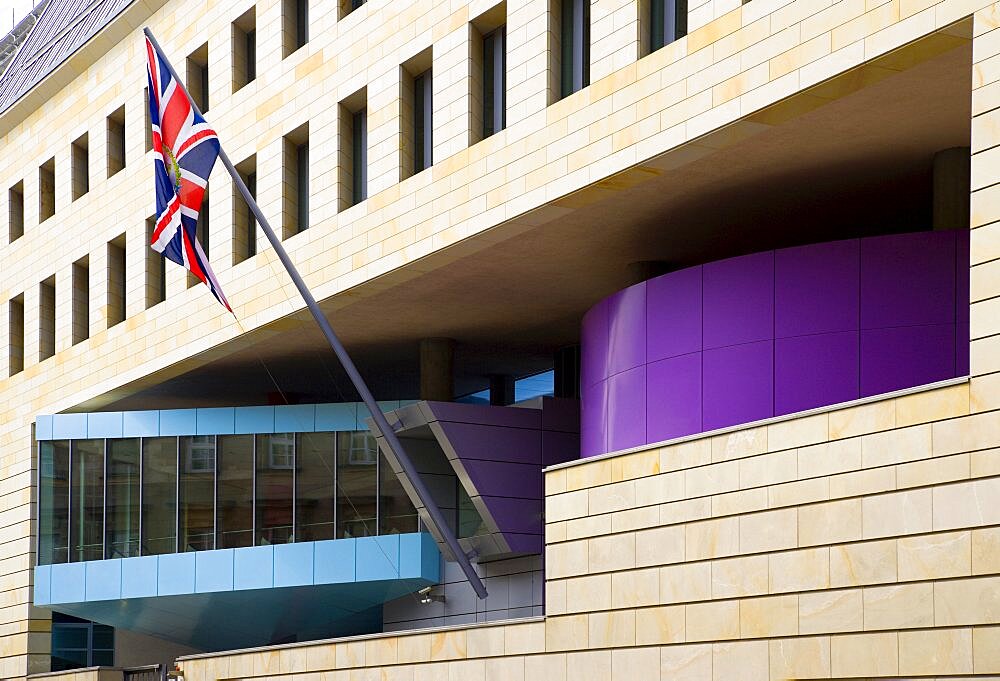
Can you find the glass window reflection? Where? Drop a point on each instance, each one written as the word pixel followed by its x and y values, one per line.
pixel 314 493
pixel 159 495
pixel 357 476
pixel 396 511
pixel 53 498
pixel 234 515
pixel 196 490
pixel 275 483
pixel 122 524
pixel 86 517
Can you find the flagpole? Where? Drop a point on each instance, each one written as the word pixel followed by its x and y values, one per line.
pixel 388 433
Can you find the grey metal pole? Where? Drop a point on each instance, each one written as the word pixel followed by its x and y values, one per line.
pixel 395 446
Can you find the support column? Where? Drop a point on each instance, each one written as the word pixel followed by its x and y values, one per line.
pixel 501 390
pixel 952 181
pixel 437 369
pixel 566 379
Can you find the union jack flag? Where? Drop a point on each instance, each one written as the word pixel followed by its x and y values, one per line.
pixel 184 150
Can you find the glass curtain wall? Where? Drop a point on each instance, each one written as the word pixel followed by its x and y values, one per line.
pixel 119 498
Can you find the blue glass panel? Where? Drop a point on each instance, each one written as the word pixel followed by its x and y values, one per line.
pixel 43 428
pixel 178 421
pixel 378 558
pixel 68 583
pixel 104 424
pixel 253 567
pixel 43 584
pixel 293 564
pixel 418 556
pixel 69 426
pixel 335 561
pixel 216 421
pixel 336 416
pixel 214 571
pixel 254 420
pixel 175 574
pixel 104 580
pixel 140 423
pixel 139 577
pixel 295 418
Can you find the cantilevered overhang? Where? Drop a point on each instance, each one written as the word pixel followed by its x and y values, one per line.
pixel 230 598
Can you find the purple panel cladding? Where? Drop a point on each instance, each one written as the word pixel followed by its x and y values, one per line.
pixel 673 397
pixel 813 371
pixel 737 384
pixel 773 333
pixel 627 409
pixel 494 443
pixel 627 329
pixel 673 314
pixel 738 298
pixel 804 275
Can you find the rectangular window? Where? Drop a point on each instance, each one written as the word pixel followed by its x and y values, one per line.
pixel 357 480
pixel 47 190
pixel 315 486
pixel 244 223
pixel 574 44
pixel 15 212
pixel 234 511
pixel 116 142
pixel 15 345
pixel 423 122
pixel 47 318
pixel 667 22
pixel 156 270
pixel 81 300
pixel 295 25
pixel 159 495
pixel 197 77
pixel 359 156
pixel 295 167
pixel 122 525
pixel 348 6
pixel 244 36
pixel 275 485
pixel 80 166
pixel 495 81
pixel 53 502
pixel 196 493
pixel 396 513
pixel 79 643
pixel 116 281
pixel 86 511
pixel 352 159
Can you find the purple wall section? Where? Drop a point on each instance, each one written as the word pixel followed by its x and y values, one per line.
pixel 773 333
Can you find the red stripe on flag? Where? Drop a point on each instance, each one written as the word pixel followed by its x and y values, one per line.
pixel 190 141
pixel 174 116
pixel 164 220
pixel 193 263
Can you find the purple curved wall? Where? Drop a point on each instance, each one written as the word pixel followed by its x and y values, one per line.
pixel 773 333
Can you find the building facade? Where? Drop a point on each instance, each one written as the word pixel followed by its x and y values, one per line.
pixel 686 313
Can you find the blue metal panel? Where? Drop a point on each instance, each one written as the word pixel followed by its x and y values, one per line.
pixel 418 556
pixel 336 416
pixel 140 423
pixel 104 424
pixel 254 420
pixel 139 576
pixel 67 426
pixel 253 567
pixel 178 421
pixel 43 584
pixel 43 428
pixel 104 579
pixel 363 413
pixel 295 418
pixel 334 561
pixel 378 557
pixel 293 564
pixel 175 574
pixel 214 571
pixel 68 582
pixel 216 421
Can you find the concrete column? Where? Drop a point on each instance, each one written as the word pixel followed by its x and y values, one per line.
pixel 437 368
pixel 952 181
pixel 501 390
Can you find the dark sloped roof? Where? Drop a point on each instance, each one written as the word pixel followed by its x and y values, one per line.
pixel 61 29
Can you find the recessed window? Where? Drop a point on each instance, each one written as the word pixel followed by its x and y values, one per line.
pixel 352 168
pixel 156 270
pixel 245 49
pixel 79 643
pixel 81 300
pixel 295 167
pixel 47 318
pixel 295 25
pixel 15 334
pixel 116 142
pixel 197 77
pixel 574 45
pixel 116 281
pixel 494 81
pixel 80 166
pixel 47 190
pixel 15 212
pixel 423 121
pixel 667 22
pixel 244 223
pixel 348 6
